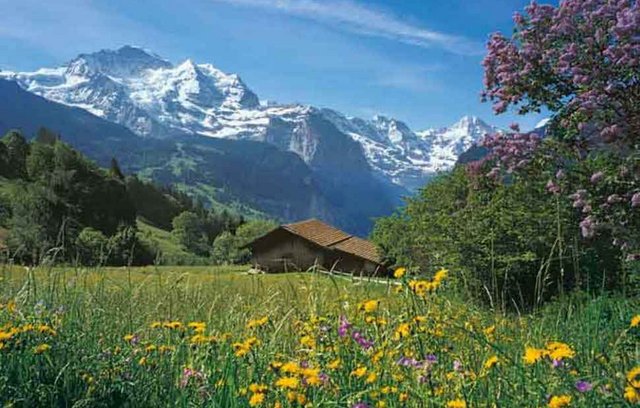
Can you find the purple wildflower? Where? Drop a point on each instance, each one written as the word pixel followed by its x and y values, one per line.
pixel 457 365
pixel 360 405
pixel 323 377
pixel 635 200
pixel 343 326
pixel 361 340
pixel 407 362
pixel 583 386
pixel 187 374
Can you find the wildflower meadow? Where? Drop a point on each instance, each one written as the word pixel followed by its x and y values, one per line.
pixel 216 337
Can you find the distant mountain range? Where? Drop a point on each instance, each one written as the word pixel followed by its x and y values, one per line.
pixel 189 108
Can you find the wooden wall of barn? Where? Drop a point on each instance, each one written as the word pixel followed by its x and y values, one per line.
pixel 345 262
pixel 285 252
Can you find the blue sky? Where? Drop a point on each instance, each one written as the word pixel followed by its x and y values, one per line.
pixel 418 61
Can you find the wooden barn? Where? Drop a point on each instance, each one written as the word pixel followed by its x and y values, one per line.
pixel 300 246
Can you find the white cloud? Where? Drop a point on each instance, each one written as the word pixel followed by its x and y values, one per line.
pixel 62 29
pixel 357 18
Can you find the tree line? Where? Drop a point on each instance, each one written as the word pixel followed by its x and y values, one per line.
pixel 58 206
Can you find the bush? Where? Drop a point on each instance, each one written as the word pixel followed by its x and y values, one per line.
pixel 514 243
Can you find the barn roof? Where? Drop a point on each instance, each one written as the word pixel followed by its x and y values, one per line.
pixel 359 247
pixel 317 232
pixel 332 238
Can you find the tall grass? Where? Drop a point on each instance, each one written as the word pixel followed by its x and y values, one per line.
pixel 122 337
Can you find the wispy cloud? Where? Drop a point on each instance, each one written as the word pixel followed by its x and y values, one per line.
pixel 62 29
pixel 363 20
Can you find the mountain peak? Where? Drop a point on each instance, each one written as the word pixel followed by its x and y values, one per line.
pixel 468 121
pixel 123 62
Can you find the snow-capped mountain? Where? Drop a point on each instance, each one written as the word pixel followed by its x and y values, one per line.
pixel 155 98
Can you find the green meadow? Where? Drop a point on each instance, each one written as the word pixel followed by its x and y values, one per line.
pixel 218 337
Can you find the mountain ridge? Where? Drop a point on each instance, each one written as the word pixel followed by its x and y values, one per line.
pixel 155 98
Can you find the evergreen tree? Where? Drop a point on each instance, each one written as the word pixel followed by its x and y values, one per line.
pixel 114 170
pixel 17 151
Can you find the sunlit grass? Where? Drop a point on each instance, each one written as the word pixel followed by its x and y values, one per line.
pixel 215 336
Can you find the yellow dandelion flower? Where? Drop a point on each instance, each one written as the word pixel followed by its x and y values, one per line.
pixel 291 367
pixel 41 348
pixel 287 383
pixel 257 388
pixel 420 319
pixel 632 395
pixel 403 397
pixel 377 356
pixel 257 322
pixel 440 275
pixel 633 377
pixel 241 349
pixel 7 335
pixel 403 330
pixel 275 365
pixel 559 401
pixel 369 306
pixel 142 361
pixel 27 328
pixel 420 287
pixel 359 371
pixel 558 351
pixel 199 339
pixel 635 321
pixel 491 362
pixel 308 341
pixel 457 403
pixel 335 364
pixel 150 348
pixel 256 399
pixel 165 349
pixel 399 273
pixel 45 329
pixel 371 378
pixel 198 327
pixel 155 325
pixel 174 325
pixel 533 355
pixel 489 331
pixel 312 376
